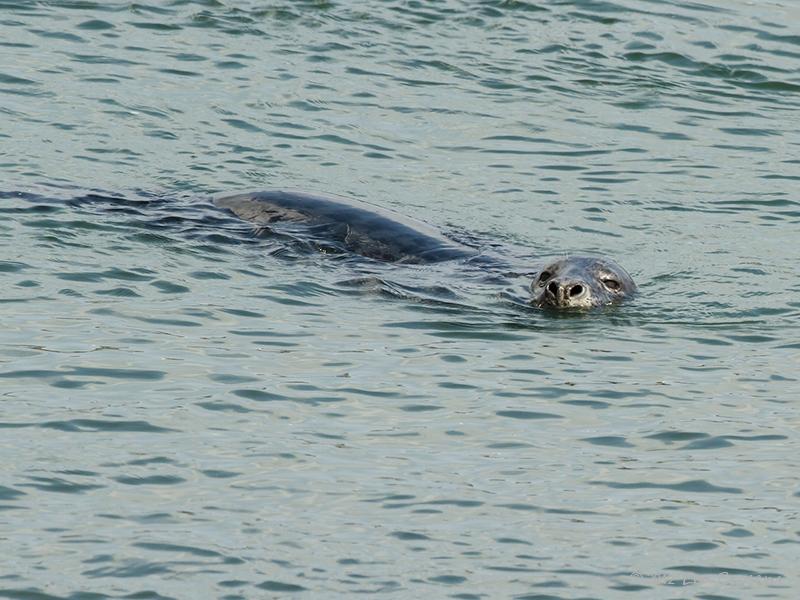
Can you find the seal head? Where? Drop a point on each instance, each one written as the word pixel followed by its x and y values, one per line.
pixel 581 282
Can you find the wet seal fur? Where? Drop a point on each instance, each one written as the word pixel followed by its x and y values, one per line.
pixel 380 234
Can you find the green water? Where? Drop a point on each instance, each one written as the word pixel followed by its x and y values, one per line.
pixel 190 411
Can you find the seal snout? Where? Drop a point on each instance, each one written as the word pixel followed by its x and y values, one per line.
pixel 561 292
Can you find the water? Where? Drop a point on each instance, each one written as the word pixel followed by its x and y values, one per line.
pixel 189 410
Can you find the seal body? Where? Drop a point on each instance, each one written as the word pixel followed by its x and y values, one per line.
pixel 357 227
pixel 580 282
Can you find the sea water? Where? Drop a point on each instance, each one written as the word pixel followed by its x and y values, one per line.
pixel 194 410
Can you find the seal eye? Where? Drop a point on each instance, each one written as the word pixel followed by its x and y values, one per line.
pixel 612 284
pixel 544 277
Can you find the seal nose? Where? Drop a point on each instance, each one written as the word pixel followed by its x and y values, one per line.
pixel 563 293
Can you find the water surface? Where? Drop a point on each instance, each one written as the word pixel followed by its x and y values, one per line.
pixel 191 410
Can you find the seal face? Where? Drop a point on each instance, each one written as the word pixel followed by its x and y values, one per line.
pixel 581 282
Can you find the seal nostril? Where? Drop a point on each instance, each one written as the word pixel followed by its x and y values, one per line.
pixel 552 287
pixel 575 290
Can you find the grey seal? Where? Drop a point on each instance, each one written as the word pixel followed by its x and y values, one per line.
pixel 384 235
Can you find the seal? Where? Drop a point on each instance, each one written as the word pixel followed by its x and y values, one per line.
pixel 380 234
